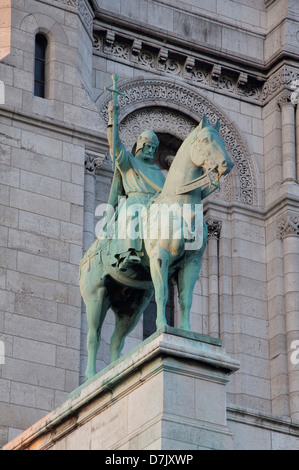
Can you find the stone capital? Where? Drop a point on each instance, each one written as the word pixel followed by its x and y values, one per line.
pixel 93 161
pixel 214 228
pixel 284 99
pixel 288 226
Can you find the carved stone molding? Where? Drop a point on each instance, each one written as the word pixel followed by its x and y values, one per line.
pixel 288 226
pixel 86 15
pixel 157 119
pixel 284 98
pixel 269 2
pixel 156 56
pixel 69 3
pixel 279 81
pixel 183 103
pixel 93 161
pixel 214 228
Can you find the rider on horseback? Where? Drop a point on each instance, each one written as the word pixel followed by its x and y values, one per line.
pixel 135 177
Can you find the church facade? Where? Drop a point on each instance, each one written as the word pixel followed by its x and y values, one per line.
pixel 233 60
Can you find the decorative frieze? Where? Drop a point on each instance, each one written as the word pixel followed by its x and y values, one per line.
pixel 164 59
pixel 69 3
pixel 288 226
pixel 284 97
pixel 161 120
pixel 279 81
pixel 86 15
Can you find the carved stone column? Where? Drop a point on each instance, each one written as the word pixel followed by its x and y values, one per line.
pixel 214 227
pixel 288 138
pixel 288 231
pixel 92 162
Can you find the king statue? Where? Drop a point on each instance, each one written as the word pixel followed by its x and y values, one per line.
pixel 135 177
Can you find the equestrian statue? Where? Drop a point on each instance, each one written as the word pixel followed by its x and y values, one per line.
pixel 153 231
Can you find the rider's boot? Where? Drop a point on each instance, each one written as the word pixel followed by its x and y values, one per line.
pixel 132 257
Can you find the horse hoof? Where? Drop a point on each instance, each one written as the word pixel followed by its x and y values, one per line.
pixel 89 375
pixel 160 325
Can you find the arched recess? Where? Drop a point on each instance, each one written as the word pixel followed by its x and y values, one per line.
pixel 37 22
pixel 40 24
pixel 166 106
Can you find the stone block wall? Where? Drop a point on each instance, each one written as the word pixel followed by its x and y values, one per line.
pixel 42 144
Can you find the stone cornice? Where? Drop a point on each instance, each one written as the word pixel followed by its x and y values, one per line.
pixel 261 419
pixel 163 58
pixel 92 139
pixel 269 2
pixel 220 26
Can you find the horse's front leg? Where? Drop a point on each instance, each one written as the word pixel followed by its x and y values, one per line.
pixel 159 265
pixel 96 309
pixel 187 277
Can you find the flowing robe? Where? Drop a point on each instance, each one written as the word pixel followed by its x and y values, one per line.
pixel 139 181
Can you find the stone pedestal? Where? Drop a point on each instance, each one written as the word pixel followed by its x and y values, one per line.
pixel 167 394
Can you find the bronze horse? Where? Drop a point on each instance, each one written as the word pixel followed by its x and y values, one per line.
pixel 128 293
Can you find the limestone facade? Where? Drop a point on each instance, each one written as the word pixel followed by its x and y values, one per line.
pixel 235 60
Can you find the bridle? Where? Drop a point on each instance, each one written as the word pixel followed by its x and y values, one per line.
pixel 197 182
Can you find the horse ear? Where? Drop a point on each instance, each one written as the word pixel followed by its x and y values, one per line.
pixel 217 125
pixel 204 122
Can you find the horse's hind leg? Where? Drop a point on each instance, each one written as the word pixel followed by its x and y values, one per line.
pixel 125 322
pixel 187 277
pixel 96 309
pixel 159 265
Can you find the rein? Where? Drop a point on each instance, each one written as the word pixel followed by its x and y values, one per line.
pixel 194 184
pixel 197 182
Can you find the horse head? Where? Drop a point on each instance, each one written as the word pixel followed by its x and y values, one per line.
pixel 208 149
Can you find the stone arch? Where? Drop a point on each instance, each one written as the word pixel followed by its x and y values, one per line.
pixel 35 23
pixel 162 104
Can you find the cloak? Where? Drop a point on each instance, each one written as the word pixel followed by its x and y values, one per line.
pixel 117 190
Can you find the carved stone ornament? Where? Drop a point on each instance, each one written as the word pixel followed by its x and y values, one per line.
pixel 214 228
pixel 165 106
pixel 156 56
pixel 69 3
pixel 284 98
pixel 288 226
pixel 93 161
pixel 86 14
pixel 279 81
